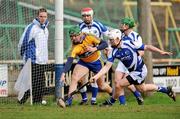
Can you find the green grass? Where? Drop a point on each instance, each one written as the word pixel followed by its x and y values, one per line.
pixel 158 106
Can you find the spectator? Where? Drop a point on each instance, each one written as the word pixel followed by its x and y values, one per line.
pixel 34 45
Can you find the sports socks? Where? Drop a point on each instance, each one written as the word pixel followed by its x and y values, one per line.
pixel 122 100
pixel 162 89
pixel 112 100
pixel 137 94
pixel 94 93
pixel 69 101
pixel 84 96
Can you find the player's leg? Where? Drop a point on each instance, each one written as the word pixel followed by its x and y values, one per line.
pixel 120 73
pixel 95 67
pixel 104 86
pixel 123 70
pixel 118 90
pixel 94 90
pixel 152 87
pixel 137 78
pixel 83 91
pixel 78 72
pixel 137 94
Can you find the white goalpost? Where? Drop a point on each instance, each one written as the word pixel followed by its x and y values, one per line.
pixel 59 90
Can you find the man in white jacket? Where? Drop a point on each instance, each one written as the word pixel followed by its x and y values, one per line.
pixel 34 45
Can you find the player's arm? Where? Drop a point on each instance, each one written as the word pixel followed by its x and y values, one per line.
pixel 67 67
pixel 138 43
pixel 141 53
pixel 155 49
pixel 69 63
pixel 104 70
pixel 102 45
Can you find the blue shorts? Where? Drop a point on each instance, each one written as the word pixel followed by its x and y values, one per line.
pixel 95 66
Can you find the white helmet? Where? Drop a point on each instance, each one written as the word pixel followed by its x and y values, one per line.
pixel 115 33
pixel 87 11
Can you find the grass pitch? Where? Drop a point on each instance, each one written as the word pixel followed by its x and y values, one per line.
pixel 158 106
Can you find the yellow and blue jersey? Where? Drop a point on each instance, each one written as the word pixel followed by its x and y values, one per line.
pixel 80 50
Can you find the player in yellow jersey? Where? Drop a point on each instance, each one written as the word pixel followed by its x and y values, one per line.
pixel 87 48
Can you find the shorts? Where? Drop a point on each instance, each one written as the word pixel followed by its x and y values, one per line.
pixel 137 77
pixel 95 66
pixel 120 67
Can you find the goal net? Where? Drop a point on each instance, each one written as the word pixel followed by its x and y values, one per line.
pixel 15 16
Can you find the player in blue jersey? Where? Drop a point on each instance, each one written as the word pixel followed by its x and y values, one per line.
pixel 128 54
pixel 90 26
pixel 129 34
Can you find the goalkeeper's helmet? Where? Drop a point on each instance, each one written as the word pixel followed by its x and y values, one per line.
pixel 74 30
pixel 128 21
pixel 87 11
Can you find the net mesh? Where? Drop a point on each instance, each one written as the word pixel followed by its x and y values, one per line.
pixel 15 16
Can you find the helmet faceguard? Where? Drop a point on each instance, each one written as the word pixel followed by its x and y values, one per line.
pixel 113 35
pixel 74 33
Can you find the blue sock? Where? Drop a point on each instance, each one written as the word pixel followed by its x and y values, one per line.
pixel 94 93
pixel 122 100
pixel 69 101
pixel 162 89
pixel 112 100
pixel 137 94
pixel 84 96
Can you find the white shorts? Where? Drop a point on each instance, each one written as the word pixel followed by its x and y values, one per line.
pixel 137 77
pixel 120 67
